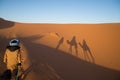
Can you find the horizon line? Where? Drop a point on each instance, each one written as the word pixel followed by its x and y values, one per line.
pixel 61 22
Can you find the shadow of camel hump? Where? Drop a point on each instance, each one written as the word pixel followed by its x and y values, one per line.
pixel 87 52
pixel 5 24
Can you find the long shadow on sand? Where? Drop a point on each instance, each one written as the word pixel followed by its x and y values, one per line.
pixel 67 66
pixel 5 23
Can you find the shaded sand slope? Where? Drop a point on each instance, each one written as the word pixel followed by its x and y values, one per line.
pixel 5 23
pixel 67 66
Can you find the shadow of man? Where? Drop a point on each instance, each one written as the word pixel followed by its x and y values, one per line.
pixel 60 42
pixel 73 43
pixel 87 51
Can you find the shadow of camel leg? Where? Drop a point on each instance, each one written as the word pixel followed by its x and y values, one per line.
pixel 92 57
pixel 26 72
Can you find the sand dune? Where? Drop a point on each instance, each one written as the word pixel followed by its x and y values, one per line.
pixel 5 23
pixel 53 51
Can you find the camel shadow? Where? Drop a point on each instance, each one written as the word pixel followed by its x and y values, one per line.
pixel 73 43
pixel 87 52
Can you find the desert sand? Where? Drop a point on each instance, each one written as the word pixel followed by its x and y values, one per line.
pixel 65 51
